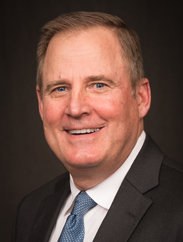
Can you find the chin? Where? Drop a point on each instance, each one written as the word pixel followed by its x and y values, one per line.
pixel 84 162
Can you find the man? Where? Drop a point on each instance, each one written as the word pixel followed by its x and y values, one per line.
pixel 92 98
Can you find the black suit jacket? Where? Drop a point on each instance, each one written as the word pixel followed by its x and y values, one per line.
pixel 147 208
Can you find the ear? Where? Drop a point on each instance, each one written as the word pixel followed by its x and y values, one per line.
pixel 143 96
pixel 40 101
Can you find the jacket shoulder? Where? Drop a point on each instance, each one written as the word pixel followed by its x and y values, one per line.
pixel 47 197
pixel 49 188
pixel 172 164
pixel 171 176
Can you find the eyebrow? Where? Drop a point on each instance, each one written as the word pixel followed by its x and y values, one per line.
pixel 100 78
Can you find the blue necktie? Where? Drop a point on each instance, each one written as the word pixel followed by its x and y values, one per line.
pixel 73 230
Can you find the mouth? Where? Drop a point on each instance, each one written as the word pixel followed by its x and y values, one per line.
pixel 82 131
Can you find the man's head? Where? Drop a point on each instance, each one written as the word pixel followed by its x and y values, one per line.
pixel 77 21
pixel 91 119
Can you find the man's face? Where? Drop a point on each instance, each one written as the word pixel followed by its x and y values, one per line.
pixel 89 115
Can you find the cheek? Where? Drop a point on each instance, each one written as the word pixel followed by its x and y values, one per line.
pixel 111 108
pixel 120 111
pixel 52 112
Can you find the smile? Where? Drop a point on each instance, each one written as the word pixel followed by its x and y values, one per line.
pixel 82 131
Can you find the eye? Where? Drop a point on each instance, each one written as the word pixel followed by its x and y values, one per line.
pixel 99 85
pixel 60 89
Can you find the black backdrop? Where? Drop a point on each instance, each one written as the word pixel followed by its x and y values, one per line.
pixel 26 160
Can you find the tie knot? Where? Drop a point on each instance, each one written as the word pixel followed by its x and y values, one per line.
pixel 82 204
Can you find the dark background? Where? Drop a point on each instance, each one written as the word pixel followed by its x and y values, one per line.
pixel 26 160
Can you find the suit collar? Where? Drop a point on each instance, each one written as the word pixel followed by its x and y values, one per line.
pixel 144 173
pixel 49 210
pixel 130 203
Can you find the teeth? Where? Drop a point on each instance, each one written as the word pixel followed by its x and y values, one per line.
pixel 82 131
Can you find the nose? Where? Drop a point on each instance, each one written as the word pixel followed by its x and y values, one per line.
pixel 78 104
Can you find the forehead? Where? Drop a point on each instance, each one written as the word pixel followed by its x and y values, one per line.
pixel 84 51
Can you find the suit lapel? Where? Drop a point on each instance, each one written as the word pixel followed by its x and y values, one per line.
pixel 130 203
pixel 125 213
pixel 48 212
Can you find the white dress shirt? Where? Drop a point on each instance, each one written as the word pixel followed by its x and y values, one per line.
pixel 103 194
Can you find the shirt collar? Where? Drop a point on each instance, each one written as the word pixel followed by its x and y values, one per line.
pixel 103 193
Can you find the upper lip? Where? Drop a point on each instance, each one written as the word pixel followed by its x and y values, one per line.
pixel 82 131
